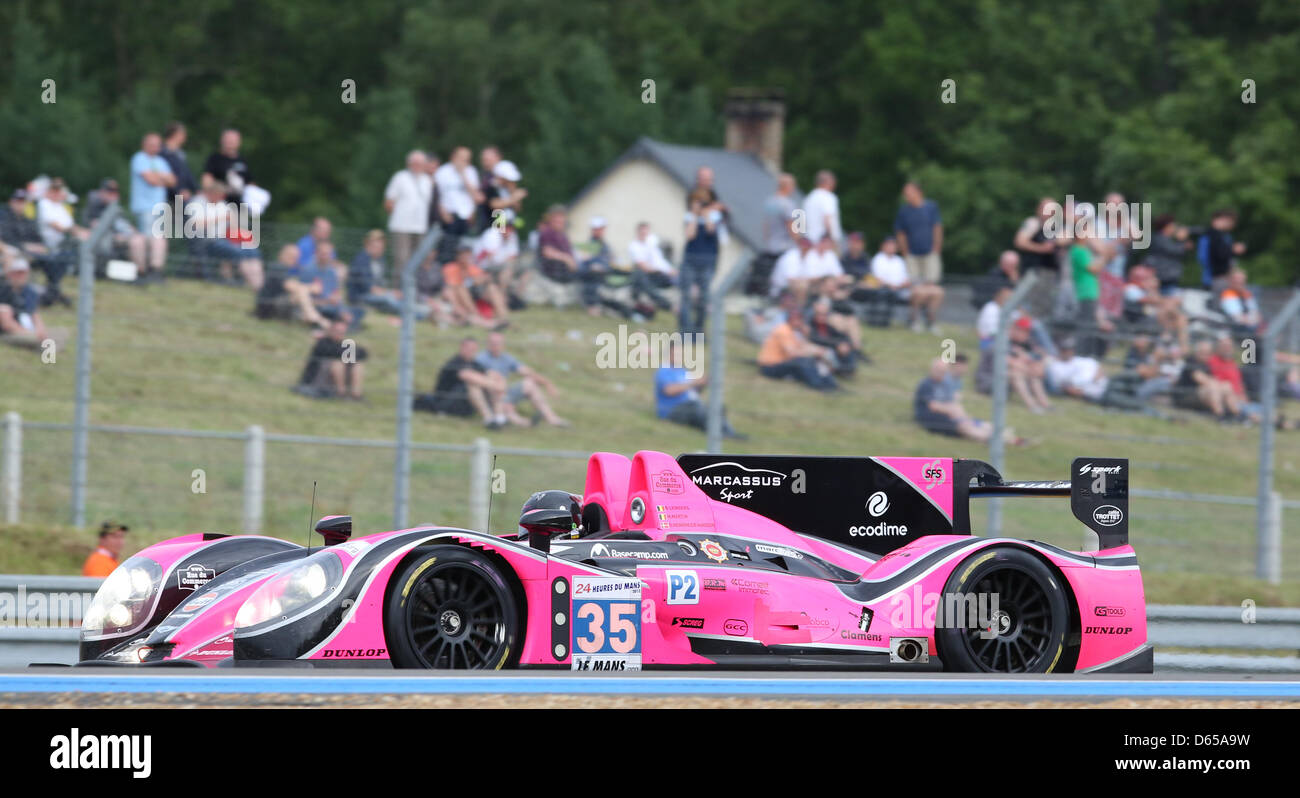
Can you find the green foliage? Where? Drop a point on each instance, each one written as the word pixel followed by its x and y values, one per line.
pixel 1140 96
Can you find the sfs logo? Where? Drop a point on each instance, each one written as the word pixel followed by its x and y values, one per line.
pixel 933 474
pixel 878 504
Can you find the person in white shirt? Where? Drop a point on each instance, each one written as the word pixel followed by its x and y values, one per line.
pixel 923 300
pixel 1076 375
pixel 497 252
pixel 651 271
pixel 458 197
pixel 793 270
pixel 406 199
pixel 54 218
pixel 822 210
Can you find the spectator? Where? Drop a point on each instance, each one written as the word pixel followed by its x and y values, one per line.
pixel 1225 367
pixel 1217 251
pixel 1115 240
pixel 463 387
pixel 173 153
pixel 824 332
pixel 321 231
pixel 311 289
pixel 20 231
pixel 677 395
pixel 595 266
pixel 1165 255
pixel 1086 265
pixel 705 233
pixel 488 158
pixel 458 197
pixel 1239 304
pixel 122 237
pixel 793 271
pixel 557 260
pixel 1026 367
pixel 1076 375
pixel 937 408
pixel 20 319
pixel 1149 311
pixel 429 290
pixel 105 558
pixel 986 324
pixel 502 192
pixel 367 279
pixel 227 166
pixel 1198 389
pixel 787 352
pixel 216 221
pixel 465 284
pixel 920 235
pixel 822 210
pixel 335 366
pixel 923 300
pixel 778 231
pixel 1041 253
pixel 532 386
pixel 1006 272
pixel 854 260
pixel 151 185
pixel 497 252
pixel 406 200
pixel 54 216
pixel 651 271
pixel 1157 364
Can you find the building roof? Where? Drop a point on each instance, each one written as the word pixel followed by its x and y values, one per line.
pixel 740 179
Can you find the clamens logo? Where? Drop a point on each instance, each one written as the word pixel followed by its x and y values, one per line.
pixel 1108 515
pixel 75 751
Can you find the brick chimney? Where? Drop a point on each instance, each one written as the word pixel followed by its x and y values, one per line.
pixel 756 123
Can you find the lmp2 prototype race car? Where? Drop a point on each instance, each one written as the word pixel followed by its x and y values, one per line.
pixel 700 561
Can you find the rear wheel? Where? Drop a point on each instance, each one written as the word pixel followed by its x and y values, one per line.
pixel 1027 611
pixel 451 608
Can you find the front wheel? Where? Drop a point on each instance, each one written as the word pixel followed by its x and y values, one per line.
pixel 451 608
pixel 1024 605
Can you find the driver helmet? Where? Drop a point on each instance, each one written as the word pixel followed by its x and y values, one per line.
pixel 540 510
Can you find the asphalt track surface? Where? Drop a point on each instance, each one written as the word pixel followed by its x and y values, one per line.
pixel 104 686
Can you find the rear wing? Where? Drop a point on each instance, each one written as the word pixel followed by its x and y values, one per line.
pixel 1098 491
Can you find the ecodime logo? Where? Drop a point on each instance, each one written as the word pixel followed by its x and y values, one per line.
pixel 74 751
pixel 878 504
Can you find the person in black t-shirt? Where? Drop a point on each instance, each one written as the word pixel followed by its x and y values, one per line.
pixel 334 367
pixel 463 386
pixel 173 153
pixel 227 166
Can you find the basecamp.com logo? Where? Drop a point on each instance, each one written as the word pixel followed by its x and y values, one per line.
pixel 77 751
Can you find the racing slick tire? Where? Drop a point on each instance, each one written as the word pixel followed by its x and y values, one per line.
pixel 1029 625
pixel 451 608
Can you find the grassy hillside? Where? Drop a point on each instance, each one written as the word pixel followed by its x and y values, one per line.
pixel 189 355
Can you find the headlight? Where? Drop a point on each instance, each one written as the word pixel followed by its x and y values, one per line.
pixel 124 600
pixel 286 594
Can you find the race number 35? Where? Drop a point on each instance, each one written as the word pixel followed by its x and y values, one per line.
pixel 606 623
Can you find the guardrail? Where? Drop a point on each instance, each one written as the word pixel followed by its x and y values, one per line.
pixel 1169 626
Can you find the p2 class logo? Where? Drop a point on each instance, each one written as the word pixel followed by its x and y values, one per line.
pixel 878 504
pixel 683 587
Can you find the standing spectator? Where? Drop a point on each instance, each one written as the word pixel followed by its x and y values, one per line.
pixel 406 200
pixel 1217 251
pixel 1115 240
pixel 1086 265
pixel 704 234
pixel 173 152
pixel 651 271
pixel 923 300
pixel 937 408
pixel 787 352
pixel 1169 244
pixel 677 395
pixel 505 195
pixel 151 184
pixel 21 232
pixel 1041 253
pixel 463 387
pixel 1239 304
pixel 822 210
pixel 532 386
pixel 227 166
pixel 335 366
pixel 778 232
pixel 458 197
pixel 321 232
pixel 105 558
pixel 920 235
pixel 488 158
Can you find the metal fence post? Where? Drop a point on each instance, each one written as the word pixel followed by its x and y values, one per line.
pixel 997 448
pixel 480 483
pixel 85 314
pixel 13 466
pixel 254 478
pixel 718 350
pixel 1268 564
pixel 406 380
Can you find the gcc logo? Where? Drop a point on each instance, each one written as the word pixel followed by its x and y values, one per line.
pixel 878 504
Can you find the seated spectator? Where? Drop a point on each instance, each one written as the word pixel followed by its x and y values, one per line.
pixel 651 271
pixel 793 270
pixel 334 368
pixel 986 324
pixel 1157 364
pixel 20 319
pixel 314 292
pixel 18 229
pixel 557 261
pixel 1150 312
pixel 1239 304
pixel 677 395
pixel 465 284
pixel 923 300
pixel 123 239
pixel 463 387
pixel 937 408
pixel 1225 366
pixel 59 232
pixel 594 265
pixel 787 352
pixel 366 277
pixel 1026 367
pixel 429 289
pixel 496 251
pixel 1198 389
pixel 824 333
pixel 321 231
pixel 532 385
pixel 217 224
pixel 760 322
pixel 854 260
pixel 1075 375
pixel 107 556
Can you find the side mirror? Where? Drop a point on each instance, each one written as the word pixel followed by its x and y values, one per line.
pixel 335 528
pixel 543 523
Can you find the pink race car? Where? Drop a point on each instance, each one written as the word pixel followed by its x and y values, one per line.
pixel 704 560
